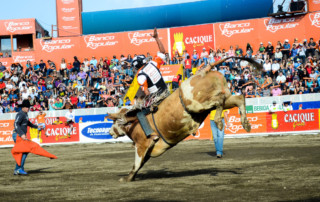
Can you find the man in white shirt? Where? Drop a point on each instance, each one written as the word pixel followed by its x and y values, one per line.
pixel 204 56
pixel 70 121
pixel 281 78
pixel 274 68
pixel 25 94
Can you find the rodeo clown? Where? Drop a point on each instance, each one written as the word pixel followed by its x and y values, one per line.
pixel 152 84
pixel 23 146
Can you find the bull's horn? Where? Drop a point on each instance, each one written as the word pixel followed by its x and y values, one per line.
pixel 113 116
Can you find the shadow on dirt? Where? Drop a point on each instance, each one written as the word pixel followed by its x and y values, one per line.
pixel 160 174
pixel 42 170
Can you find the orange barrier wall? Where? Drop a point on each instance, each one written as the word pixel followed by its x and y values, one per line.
pixel 267 123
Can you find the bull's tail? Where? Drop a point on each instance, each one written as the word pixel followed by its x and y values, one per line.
pixel 257 67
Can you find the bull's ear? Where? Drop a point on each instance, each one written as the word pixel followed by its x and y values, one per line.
pixel 114 116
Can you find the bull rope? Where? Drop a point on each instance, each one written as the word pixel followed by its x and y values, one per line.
pixel 161 136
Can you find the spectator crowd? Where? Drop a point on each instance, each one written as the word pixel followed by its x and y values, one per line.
pixel 288 68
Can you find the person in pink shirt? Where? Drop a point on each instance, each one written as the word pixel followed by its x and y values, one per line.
pixel 276 91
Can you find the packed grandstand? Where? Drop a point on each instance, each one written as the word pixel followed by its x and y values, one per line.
pixel 289 67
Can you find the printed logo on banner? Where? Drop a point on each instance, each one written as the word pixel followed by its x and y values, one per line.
pixel 138 38
pixel 67 1
pixel 94 42
pixel 4 63
pixel 300 119
pixel 179 42
pixel 17 26
pixel 316 1
pixel 315 19
pixel 69 27
pixel 57 44
pixel 273 25
pixel 67 10
pixel 6 128
pixel 67 19
pixel 235 123
pixel 229 29
pixel 97 131
pixel 23 58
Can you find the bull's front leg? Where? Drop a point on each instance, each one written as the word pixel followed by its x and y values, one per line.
pixel 217 117
pixel 142 155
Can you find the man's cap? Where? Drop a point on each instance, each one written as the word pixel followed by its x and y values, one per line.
pixel 204 49
pixel 286 40
pixel 25 103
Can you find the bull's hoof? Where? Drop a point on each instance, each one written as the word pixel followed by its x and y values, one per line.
pixel 219 125
pixel 125 179
pixel 246 125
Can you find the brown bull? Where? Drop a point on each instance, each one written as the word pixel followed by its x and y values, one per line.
pixel 180 115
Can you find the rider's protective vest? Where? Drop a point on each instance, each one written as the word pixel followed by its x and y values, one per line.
pixel 155 81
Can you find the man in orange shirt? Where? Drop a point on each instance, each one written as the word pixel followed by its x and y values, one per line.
pixel 41 121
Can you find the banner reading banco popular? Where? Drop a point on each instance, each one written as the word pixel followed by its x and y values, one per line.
pixel 296 120
pixel 191 38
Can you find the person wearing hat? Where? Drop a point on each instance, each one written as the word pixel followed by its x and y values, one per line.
pixel 269 50
pixel 21 124
pixel 286 49
pixel 204 56
pixel 274 107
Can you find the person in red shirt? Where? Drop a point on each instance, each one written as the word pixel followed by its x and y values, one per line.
pixel 74 100
pixel 188 66
pixel 2 86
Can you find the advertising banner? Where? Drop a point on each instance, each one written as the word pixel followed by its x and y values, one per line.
pixel 98 132
pixel 236 33
pixel 279 29
pixel 312 21
pixel 58 48
pixel 23 57
pixel 6 62
pixel 169 71
pixel 296 120
pixel 17 26
pixel 314 5
pixel 6 128
pixel 69 17
pixel 54 133
pixel 191 38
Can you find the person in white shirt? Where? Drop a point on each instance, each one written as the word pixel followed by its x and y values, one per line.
pixel 70 121
pixel 204 56
pixel 287 106
pixel 267 67
pixel 25 94
pixel 281 78
pixel 274 68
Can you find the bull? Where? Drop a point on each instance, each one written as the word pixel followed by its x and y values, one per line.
pixel 180 114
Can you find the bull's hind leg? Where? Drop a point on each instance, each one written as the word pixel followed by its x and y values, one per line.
pixel 142 155
pixel 239 101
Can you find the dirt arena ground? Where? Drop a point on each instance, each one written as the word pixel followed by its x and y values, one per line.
pixel 278 168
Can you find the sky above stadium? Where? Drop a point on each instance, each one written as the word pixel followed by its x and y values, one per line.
pixel 45 10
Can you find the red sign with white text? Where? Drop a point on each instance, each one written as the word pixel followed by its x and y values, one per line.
pixel 297 120
pixel 191 38
pixel 6 128
pixel 69 17
pixel 55 133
